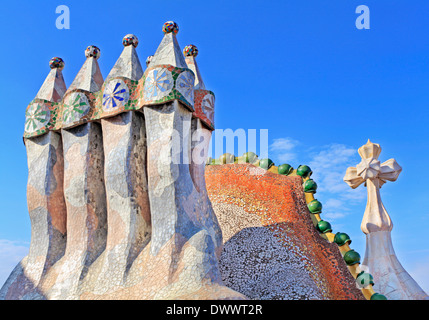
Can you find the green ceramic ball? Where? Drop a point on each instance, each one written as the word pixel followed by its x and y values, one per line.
pixel 377 296
pixel 310 186
pixel 324 226
pixel 315 206
pixel 266 163
pixel 304 171
pixel 285 169
pixel 352 257
pixel 364 279
pixel 342 238
pixel 226 158
pixel 250 157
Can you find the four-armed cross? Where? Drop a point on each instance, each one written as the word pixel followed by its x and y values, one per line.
pixel 390 278
pixel 374 175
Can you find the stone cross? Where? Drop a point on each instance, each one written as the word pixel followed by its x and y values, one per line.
pixel 374 174
pixel 391 279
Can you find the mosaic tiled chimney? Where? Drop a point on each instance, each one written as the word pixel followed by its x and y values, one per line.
pixel 45 193
pixel 118 204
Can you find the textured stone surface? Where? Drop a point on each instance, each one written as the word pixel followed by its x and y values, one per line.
pixel 47 210
pixel 271 248
pixel 89 77
pixel 192 64
pixel 86 207
pixel 181 259
pixel 127 199
pixel 393 280
pixel 255 263
pixel 54 87
pixel 171 189
pixel 128 65
pixel 168 52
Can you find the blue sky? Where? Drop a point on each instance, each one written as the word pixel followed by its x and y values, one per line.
pixel 300 69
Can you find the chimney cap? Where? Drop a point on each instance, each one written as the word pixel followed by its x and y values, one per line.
pixel 130 39
pixel 190 50
pixel 56 63
pixel 170 26
pixel 92 51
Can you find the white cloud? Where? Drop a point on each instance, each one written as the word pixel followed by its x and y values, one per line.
pixel 282 149
pixel 11 253
pixel 334 214
pixel 334 208
pixel 332 156
pixel 283 144
pixel 286 157
pixel 329 166
pixel 333 204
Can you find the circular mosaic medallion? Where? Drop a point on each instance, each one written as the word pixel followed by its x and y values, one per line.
pixel 76 106
pixel 116 94
pixel 37 117
pixel 185 85
pixel 158 84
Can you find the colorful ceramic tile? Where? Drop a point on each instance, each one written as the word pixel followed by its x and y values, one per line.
pixel 190 51
pixel 185 85
pixel 37 118
pixel 56 63
pixel 170 26
pixel 116 94
pixel 130 39
pixel 75 107
pixel 92 51
pixel 204 107
pixel 159 83
pixel 208 106
pixel 166 83
pixel 40 117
